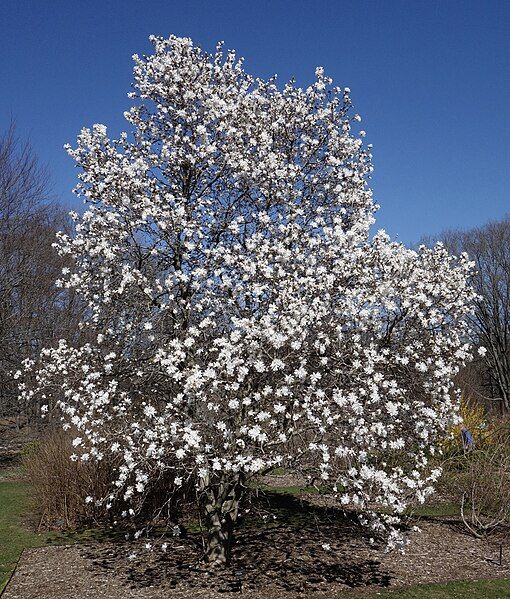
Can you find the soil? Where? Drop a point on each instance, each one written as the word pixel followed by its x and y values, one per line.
pixel 282 561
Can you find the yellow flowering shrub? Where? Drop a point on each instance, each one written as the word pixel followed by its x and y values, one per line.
pixel 475 419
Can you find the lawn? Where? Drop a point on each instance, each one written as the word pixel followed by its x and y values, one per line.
pixel 14 536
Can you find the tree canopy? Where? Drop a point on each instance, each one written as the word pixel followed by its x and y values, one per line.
pixel 240 315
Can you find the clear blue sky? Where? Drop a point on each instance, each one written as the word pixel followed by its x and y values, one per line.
pixel 430 78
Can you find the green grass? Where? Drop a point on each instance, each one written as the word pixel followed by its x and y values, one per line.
pixel 278 471
pixel 436 510
pixel 14 536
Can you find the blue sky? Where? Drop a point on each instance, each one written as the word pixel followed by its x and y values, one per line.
pixel 430 79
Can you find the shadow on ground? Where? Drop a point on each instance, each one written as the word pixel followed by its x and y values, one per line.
pixel 284 543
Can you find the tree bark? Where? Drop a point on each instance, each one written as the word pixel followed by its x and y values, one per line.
pixel 222 508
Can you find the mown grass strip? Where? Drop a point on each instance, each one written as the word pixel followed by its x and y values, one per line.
pixel 14 536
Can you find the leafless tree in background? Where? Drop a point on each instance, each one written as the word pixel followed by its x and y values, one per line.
pixel 33 312
pixel 489 247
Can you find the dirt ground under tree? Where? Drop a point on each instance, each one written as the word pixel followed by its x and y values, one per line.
pixel 309 550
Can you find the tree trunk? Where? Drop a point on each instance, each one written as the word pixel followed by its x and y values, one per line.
pixel 221 508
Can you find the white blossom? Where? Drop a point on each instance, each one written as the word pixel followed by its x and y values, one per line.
pixel 233 224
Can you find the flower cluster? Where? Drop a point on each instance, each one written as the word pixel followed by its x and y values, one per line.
pixel 239 314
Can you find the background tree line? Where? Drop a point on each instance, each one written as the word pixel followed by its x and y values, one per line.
pixel 487 378
pixel 33 311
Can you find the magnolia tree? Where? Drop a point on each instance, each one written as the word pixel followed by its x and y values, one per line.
pixel 240 315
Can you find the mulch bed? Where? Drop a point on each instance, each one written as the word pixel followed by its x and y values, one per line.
pixel 282 561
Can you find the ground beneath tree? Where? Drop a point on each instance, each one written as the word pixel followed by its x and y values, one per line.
pixel 308 551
